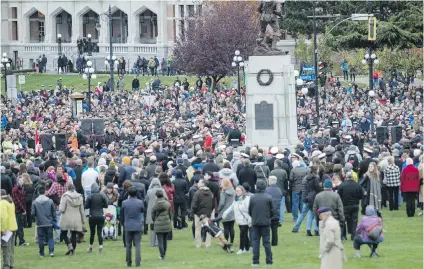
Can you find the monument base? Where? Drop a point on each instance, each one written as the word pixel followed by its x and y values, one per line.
pixel 271 102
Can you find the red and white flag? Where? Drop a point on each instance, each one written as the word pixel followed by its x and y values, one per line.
pixel 37 142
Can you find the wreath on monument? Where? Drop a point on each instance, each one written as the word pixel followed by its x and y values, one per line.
pixel 262 72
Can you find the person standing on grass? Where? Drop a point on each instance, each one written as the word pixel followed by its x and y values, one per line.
pixel 240 209
pixel 202 204
pixel 392 180
pixel 96 202
pixel 72 219
pixel 161 215
pixel 225 201
pixel 44 212
pixel 132 220
pixel 410 185
pixel 261 211
pixel 276 195
pixel 18 196
pixel 331 250
pixel 8 224
pixel 351 193
pixel 150 201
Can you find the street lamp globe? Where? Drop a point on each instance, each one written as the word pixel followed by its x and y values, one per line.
pixel 239 59
pixel 86 70
pixel 364 61
pixel 107 58
pixel 106 62
pixel 8 65
pixel 116 62
pixel 296 73
pixel 59 36
pixel 237 52
pixel 94 76
pixel 233 64
pixel 376 61
pixel 371 93
pixel 299 81
pixel 89 35
pixel 373 105
pixel 4 54
pixel 113 57
pixel 242 64
pixel 373 56
pixel 84 76
pixel 89 63
pixel 235 58
pixel 304 91
pixel 91 70
pixel 367 56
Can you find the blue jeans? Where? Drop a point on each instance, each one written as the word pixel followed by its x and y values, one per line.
pixel 258 232
pixel 296 201
pixel 20 231
pixel 311 219
pixel 45 233
pixel 282 209
pixel 400 198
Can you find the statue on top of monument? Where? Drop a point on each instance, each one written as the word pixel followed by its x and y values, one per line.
pixel 269 34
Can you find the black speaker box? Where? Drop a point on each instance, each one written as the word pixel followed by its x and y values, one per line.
pixel 98 126
pixel 86 126
pixel 382 134
pixel 61 142
pixel 396 133
pixel 47 142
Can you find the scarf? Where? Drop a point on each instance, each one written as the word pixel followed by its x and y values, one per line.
pixel 375 194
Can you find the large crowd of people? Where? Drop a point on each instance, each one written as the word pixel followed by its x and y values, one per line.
pixel 182 157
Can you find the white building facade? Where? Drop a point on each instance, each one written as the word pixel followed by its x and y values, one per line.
pixel 139 28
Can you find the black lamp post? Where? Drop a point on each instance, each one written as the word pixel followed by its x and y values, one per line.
pixel 370 59
pixel 59 44
pixel 89 74
pixel 111 59
pixel 6 64
pixel 373 106
pixel 239 63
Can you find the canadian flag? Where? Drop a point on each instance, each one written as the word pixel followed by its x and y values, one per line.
pixel 37 142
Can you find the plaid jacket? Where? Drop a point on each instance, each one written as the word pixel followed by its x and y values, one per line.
pixel 18 196
pixel 57 189
pixel 392 176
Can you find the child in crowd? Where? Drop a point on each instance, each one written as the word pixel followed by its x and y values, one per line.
pixel 209 226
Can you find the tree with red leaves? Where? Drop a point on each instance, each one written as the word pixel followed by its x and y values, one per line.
pixel 208 47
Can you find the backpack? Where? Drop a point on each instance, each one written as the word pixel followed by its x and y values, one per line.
pixel 374 231
pixel 353 159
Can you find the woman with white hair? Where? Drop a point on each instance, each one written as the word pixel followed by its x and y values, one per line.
pixel 410 185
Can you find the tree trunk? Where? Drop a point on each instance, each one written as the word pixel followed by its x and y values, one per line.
pixel 215 80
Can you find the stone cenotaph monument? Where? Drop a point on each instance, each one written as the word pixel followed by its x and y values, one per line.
pixel 270 98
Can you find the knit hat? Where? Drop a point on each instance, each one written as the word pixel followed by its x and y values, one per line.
pixel 179 160
pixel 109 185
pixel 261 185
pixel 126 160
pixel 323 210
pixel 328 184
pixel 112 164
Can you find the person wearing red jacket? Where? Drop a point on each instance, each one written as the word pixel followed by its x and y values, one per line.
pixel 410 185
pixel 208 141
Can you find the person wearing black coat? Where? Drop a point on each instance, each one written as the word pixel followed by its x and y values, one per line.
pixel 276 195
pixel 96 202
pixel 6 181
pixel 363 166
pixel 9 172
pixel 135 84
pixel 181 167
pixel 351 193
pixel 111 175
pixel 181 189
pixel 78 172
pixel 214 187
pixel 210 166
pixel 33 175
pixel 261 211
pixel 247 174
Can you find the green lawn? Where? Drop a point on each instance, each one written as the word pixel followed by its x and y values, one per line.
pixel 402 248
pixel 35 80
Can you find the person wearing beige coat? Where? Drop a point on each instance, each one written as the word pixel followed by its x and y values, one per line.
pixel 331 247
pixel 72 208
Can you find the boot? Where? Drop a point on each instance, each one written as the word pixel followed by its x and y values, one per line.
pixel 316 233
pixel 70 249
pixel 308 233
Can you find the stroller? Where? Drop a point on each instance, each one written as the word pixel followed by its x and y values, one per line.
pixel 110 228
